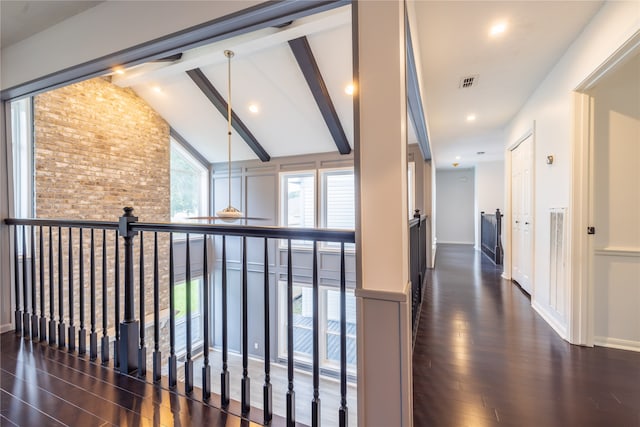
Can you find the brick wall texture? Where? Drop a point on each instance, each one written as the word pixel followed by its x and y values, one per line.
pixel 98 148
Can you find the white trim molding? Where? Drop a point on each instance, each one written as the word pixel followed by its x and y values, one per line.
pixel 617 252
pixel 550 319
pixel 617 343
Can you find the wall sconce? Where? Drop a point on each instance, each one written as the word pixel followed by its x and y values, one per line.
pixel 549 160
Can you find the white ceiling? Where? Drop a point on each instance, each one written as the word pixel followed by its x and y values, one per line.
pixel 453 41
pixel 20 19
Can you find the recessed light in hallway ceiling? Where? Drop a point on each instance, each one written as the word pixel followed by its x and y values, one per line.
pixel 498 29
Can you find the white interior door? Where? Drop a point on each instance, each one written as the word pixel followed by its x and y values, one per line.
pixel 522 213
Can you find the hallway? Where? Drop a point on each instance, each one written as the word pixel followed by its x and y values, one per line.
pixel 483 357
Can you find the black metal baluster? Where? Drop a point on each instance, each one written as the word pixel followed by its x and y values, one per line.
pixel 343 411
pixel 52 320
pixel 43 317
pixel 173 363
pixel 72 328
pixel 266 388
pixel 82 333
pixel 315 403
pixel 142 351
pixel 291 399
pixel 61 326
pixel 16 277
pixel 188 363
pixel 25 285
pixel 224 375
pixel 105 325
pixel 206 369
pixel 157 356
pixel 34 300
pixel 93 337
pixel 116 308
pixel 246 382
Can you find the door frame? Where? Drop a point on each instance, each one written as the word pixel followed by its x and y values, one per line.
pixel 580 304
pixel 508 216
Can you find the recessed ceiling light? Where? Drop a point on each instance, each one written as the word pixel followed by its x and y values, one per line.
pixel 119 70
pixel 498 29
pixel 349 89
pixel 157 89
pixel 458 157
pixel 253 108
pixel 471 118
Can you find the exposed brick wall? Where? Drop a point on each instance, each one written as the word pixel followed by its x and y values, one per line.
pixel 98 148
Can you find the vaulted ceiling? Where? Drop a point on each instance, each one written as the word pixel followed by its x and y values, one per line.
pixel 275 101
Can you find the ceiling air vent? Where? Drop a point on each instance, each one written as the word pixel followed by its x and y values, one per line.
pixel 468 81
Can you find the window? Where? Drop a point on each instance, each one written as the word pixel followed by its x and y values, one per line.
pixel 180 301
pixel 189 187
pixel 298 197
pixel 338 197
pixel 338 203
pixel 298 203
pixel 329 325
pixel 21 138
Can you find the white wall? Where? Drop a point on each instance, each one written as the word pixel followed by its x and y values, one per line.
pixel 489 194
pixel 455 206
pixel 550 106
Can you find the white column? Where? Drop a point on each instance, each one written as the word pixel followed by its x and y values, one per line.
pixel 6 210
pixel 383 292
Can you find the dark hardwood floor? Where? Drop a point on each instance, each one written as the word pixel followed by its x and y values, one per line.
pixel 45 386
pixel 483 357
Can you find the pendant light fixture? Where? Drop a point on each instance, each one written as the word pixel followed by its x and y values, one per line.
pixel 229 214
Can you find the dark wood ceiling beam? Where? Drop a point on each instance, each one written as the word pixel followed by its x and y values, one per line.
pixel 207 88
pixel 303 54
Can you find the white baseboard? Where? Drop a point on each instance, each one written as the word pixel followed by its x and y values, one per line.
pixel 555 324
pixel 505 275
pixel 6 328
pixel 617 343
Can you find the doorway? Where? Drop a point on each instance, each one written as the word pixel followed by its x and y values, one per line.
pixel 522 213
pixel 615 207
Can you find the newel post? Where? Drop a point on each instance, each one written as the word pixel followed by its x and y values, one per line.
pixel 129 328
pixel 498 249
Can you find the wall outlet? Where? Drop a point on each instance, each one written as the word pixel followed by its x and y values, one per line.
pixel 255 345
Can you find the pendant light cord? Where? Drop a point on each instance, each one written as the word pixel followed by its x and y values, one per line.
pixel 229 54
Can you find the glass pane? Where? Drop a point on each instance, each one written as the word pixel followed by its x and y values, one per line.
pixel 332 337
pixel 303 320
pixel 300 201
pixel 180 295
pixel 188 185
pixel 340 204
